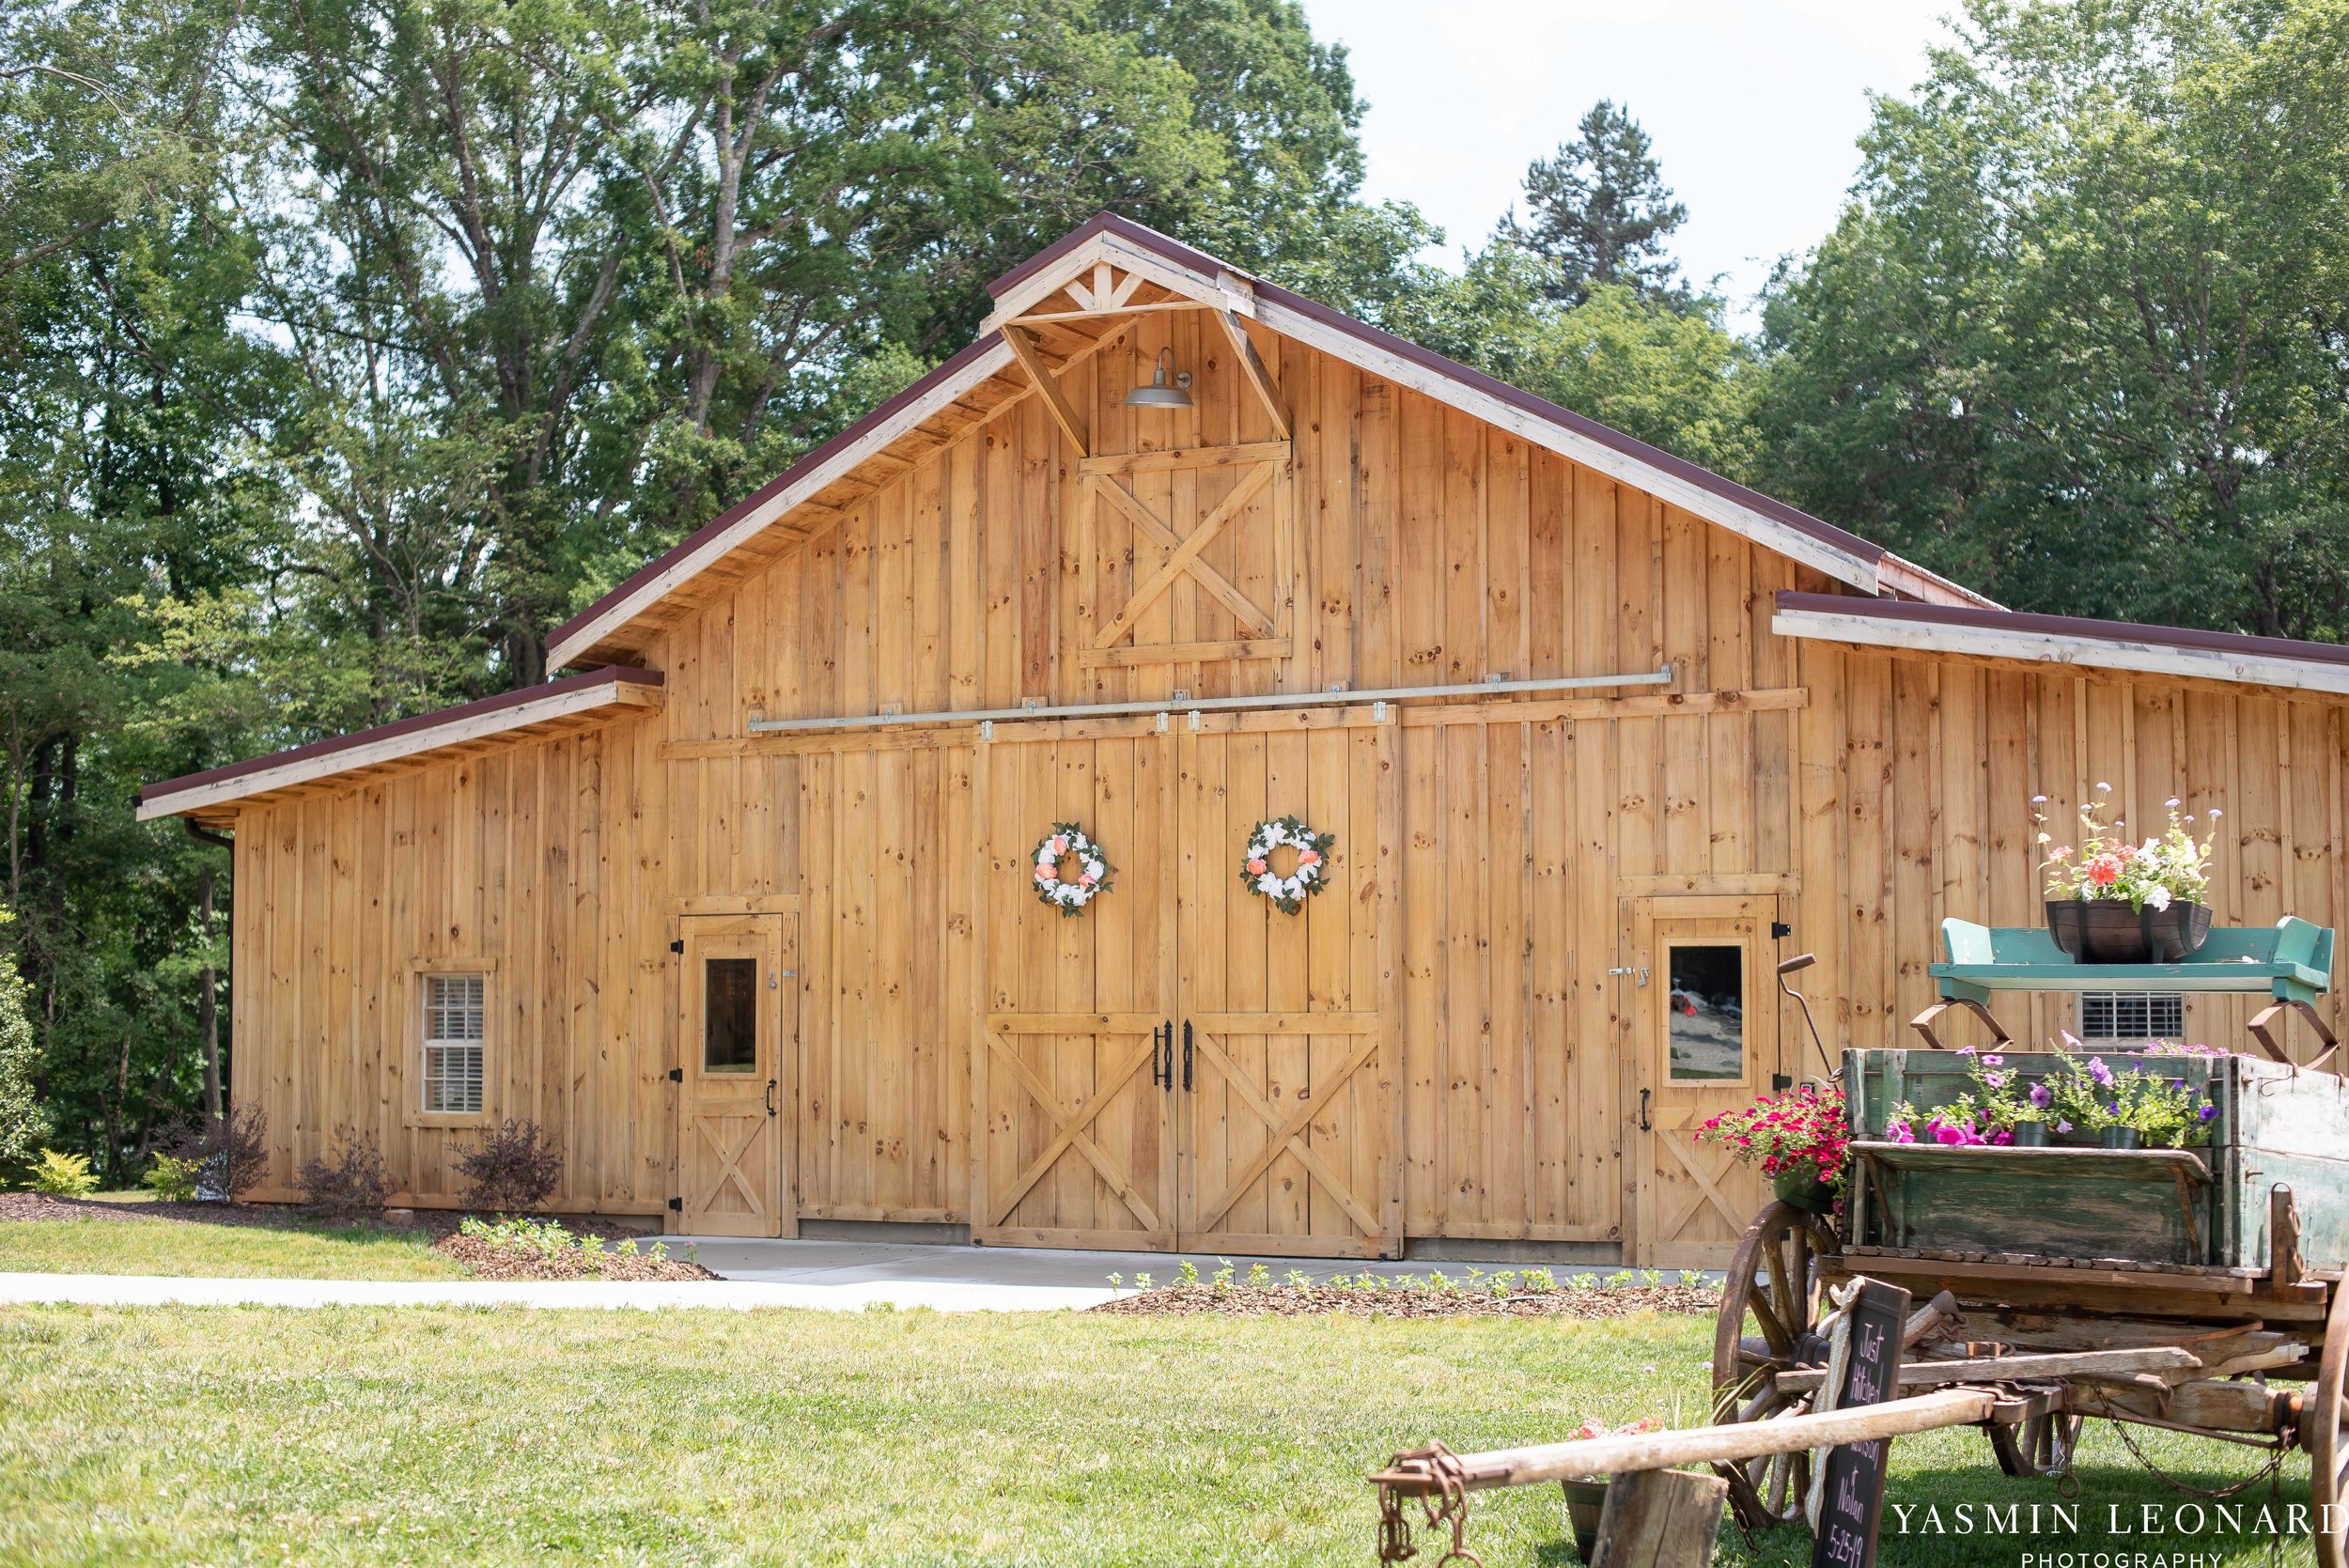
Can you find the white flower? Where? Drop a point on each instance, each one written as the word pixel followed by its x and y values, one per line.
pixel 2104 787
pixel 2158 898
pixel 1095 869
pixel 1270 885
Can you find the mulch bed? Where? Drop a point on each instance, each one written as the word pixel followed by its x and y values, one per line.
pixel 35 1205
pixel 488 1260
pixel 1310 1301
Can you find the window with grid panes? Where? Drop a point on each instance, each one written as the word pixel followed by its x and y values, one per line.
pixel 452 1042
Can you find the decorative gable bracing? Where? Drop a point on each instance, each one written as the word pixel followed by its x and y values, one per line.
pixel 1088 292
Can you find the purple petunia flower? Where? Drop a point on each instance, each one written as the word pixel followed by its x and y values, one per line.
pixel 2208 1111
pixel 1900 1132
pixel 2042 1096
pixel 1997 1081
pixel 2062 1126
pixel 1993 1061
pixel 2097 1070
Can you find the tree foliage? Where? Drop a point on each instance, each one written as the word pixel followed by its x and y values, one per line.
pixel 2078 340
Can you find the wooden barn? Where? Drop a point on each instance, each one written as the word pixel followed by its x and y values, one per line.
pixel 748 912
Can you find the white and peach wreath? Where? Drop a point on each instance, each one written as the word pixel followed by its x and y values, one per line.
pixel 1286 893
pixel 1066 841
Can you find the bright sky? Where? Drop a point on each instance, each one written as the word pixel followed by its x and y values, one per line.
pixel 1754 106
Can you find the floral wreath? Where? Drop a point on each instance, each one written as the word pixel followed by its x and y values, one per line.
pixel 1286 893
pixel 1093 869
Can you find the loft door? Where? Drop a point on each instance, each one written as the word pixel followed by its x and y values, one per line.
pixel 1699 991
pixel 1283 1076
pixel 740 1030
pixel 1075 1146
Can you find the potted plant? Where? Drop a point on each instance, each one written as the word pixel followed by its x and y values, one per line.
pixel 1586 1494
pixel 2132 1109
pixel 2113 902
pixel 2010 1104
pixel 1801 1139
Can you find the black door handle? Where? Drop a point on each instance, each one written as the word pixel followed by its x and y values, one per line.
pixel 1161 1068
pixel 1644 1121
pixel 1186 1056
pixel 770 1097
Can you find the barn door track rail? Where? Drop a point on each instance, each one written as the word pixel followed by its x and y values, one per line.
pixel 988 716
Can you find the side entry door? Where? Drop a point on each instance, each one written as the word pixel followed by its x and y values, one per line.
pixel 1702 1004
pixel 741 997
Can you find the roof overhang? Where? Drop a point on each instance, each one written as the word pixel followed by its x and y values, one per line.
pixel 574 702
pixel 1110 267
pixel 2065 640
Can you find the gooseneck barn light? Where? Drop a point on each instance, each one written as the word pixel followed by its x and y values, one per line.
pixel 1158 395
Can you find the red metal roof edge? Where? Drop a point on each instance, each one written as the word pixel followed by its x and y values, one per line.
pixel 2190 639
pixel 765 493
pixel 608 676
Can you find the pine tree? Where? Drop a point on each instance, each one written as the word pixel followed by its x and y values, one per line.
pixel 1601 213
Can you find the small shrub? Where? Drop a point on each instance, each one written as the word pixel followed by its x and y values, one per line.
pixel 173 1178
pixel 1584 1282
pixel 1222 1277
pixel 1540 1279
pixel 1187 1273
pixel 513 1170
pixel 1619 1279
pixel 63 1175
pixel 1143 1282
pixel 1651 1277
pixel 351 1185
pixel 1692 1277
pixel 1296 1278
pixel 231 1155
pixel 1259 1275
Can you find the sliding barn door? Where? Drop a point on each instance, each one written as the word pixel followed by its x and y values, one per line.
pixel 1284 1071
pixel 1075 1131
pixel 737 1036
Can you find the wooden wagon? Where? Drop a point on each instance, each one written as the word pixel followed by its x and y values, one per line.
pixel 2193 1290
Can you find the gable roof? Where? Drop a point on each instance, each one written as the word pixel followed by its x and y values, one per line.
pixel 983 377
pixel 575 701
pixel 2161 650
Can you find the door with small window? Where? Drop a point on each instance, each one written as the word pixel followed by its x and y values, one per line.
pixel 739 994
pixel 1700 999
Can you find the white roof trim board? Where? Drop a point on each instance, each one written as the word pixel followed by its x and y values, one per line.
pixel 578 694
pixel 2088 645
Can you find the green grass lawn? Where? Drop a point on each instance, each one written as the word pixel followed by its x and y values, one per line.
pixel 187 1435
pixel 299 1252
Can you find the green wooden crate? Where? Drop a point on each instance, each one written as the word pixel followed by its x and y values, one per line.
pixel 2208 1206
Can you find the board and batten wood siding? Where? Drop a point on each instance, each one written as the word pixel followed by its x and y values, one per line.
pixel 1872 793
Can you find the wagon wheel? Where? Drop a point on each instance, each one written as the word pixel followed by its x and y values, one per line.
pixel 2041 1446
pixel 2322 1421
pixel 1774 1277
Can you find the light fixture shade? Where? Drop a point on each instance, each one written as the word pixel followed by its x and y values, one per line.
pixel 1158 393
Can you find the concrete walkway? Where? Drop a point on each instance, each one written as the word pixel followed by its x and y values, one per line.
pixel 837 1276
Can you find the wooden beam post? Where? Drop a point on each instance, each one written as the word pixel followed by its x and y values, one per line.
pixel 1072 423
pixel 1253 369
pixel 1660 1519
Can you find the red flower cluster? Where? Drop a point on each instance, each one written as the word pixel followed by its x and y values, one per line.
pixel 1805 1128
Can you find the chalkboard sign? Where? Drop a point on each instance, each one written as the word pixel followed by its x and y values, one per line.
pixel 1851 1497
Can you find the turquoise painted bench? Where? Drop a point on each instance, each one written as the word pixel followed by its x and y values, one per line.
pixel 2291 961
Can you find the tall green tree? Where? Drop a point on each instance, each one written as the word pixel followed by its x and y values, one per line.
pixel 1599 209
pixel 2079 339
